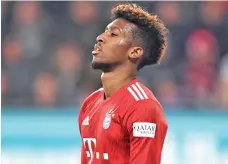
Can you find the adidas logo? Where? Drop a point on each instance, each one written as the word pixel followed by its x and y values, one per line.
pixel 86 121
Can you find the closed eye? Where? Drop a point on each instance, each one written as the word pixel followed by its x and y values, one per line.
pixel 113 34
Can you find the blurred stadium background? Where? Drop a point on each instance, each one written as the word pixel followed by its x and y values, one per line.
pixel 46 55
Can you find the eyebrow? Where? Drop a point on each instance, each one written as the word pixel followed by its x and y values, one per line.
pixel 113 27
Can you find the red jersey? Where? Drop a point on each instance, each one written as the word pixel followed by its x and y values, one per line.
pixel 127 128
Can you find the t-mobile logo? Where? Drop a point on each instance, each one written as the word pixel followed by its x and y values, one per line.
pixel 90 153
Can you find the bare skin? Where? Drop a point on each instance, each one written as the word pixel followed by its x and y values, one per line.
pixel 118 54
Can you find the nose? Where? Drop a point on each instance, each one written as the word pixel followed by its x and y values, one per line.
pixel 100 38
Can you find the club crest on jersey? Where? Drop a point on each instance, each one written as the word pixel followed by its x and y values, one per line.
pixel 107 121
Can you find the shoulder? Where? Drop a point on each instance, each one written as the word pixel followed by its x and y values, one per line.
pixel 139 94
pixel 143 101
pixel 94 95
pixel 149 106
pixel 88 101
pixel 91 98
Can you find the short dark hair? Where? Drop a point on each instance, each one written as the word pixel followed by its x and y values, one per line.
pixel 151 32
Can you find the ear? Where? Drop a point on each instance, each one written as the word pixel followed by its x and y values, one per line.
pixel 136 52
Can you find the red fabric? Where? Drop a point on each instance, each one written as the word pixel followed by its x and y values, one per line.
pixel 109 131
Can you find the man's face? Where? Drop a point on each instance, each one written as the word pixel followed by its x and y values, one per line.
pixel 113 45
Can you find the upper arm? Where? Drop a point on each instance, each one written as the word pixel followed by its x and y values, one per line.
pixel 81 113
pixel 147 129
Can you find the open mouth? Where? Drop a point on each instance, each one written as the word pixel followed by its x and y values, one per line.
pixel 97 49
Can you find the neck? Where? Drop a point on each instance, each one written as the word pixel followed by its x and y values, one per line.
pixel 112 81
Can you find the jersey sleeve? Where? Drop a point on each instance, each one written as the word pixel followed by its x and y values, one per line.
pixel 147 128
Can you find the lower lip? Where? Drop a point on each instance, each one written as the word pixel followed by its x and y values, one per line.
pixel 95 52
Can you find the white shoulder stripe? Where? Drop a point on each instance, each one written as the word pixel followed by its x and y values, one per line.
pixel 133 94
pixel 140 88
pixel 137 91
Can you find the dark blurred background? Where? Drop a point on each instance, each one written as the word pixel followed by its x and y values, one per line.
pixel 46 74
pixel 46 53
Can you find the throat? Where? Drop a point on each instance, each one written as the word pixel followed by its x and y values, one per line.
pixel 112 83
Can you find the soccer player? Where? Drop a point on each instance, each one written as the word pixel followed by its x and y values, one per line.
pixel 123 122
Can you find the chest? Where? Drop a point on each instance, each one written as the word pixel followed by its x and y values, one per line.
pixel 104 121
